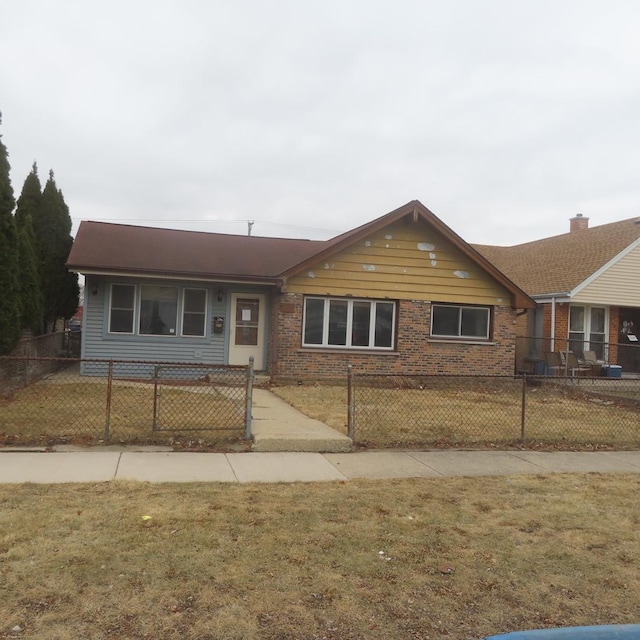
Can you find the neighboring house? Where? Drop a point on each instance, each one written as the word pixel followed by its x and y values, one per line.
pixel 400 295
pixel 587 287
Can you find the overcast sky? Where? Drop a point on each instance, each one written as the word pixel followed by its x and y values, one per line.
pixel 503 117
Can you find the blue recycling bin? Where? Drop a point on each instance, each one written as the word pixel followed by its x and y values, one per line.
pixel 612 370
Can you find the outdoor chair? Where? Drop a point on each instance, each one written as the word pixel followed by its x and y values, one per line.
pixel 574 367
pixel 591 360
pixel 553 363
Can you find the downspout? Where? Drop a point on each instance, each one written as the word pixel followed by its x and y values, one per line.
pixel 553 323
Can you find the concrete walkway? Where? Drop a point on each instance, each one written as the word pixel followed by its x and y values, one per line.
pixel 142 464
pixel 277 426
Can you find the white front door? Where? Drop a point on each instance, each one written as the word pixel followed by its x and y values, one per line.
pixel 247 329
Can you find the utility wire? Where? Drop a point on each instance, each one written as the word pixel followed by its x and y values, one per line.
pixel 182 220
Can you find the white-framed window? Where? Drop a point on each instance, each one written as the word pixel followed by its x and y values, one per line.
pixel 122 308
pixel 460 321
pixel 347 323
pixel 157 310
pixel 587 330
pixel 194 312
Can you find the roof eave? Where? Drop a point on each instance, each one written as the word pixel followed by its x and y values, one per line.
pixel 174 275
pixel 560 296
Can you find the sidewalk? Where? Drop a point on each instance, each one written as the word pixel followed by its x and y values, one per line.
pixel 104 465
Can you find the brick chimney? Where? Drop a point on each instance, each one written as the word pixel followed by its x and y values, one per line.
pixel 578 223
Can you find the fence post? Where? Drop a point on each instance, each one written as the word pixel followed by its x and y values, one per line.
pixel 247 415
pixel 524 406
pixel 350 404
pixel 26 369
pixel 107 423
pixel 154 425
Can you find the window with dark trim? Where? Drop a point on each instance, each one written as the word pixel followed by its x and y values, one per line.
pixel 455 321
pixel 348 323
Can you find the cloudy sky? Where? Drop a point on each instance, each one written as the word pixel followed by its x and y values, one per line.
pixel 310 117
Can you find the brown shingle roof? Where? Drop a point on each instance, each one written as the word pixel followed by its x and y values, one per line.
pixel 560 263
pixel 119 248
pixel 101 247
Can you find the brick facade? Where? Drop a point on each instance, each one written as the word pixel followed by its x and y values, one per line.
pixel 416 354
pixel 562 326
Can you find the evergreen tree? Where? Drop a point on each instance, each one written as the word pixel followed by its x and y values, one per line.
pixel 29 200
pixel 29 275
pixel 52 227
pixel 9 293
pixel 32 313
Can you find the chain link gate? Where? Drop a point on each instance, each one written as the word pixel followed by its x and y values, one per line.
pixel 202 398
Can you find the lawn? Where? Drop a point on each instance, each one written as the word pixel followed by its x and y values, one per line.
pixel 74 411
pixel 444 558
pixel 468 412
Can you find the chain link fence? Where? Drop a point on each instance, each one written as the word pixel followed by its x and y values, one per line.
pixel 457 411
pixel 45 401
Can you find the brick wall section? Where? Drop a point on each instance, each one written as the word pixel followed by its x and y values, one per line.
pixel 415 354
pixel 614 334
pixel 562 326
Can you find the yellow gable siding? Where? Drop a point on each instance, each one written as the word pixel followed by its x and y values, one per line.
pixel 618 285
pixel 405 262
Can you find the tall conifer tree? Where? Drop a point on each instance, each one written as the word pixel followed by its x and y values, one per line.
pixel 29 275
pixel 9 293
pixel 32 312
pixel 52 227
pixel 29 201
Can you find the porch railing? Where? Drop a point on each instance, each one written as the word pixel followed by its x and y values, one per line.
pixel 530 353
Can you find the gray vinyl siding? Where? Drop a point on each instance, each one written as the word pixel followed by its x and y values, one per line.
pixel 99 343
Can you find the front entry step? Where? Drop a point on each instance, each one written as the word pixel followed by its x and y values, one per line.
pixel 276 426
pixel 295 442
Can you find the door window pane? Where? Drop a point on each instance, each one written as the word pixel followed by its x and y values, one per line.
pixel 247 315
pixel 598 332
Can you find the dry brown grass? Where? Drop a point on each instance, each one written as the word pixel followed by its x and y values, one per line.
pixel 459 413
pixel 76 412
pixel 337 561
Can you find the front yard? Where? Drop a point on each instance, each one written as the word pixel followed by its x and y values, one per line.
pixel 209 411
pixel 56 412
pixel 479 412
pixel 453 559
